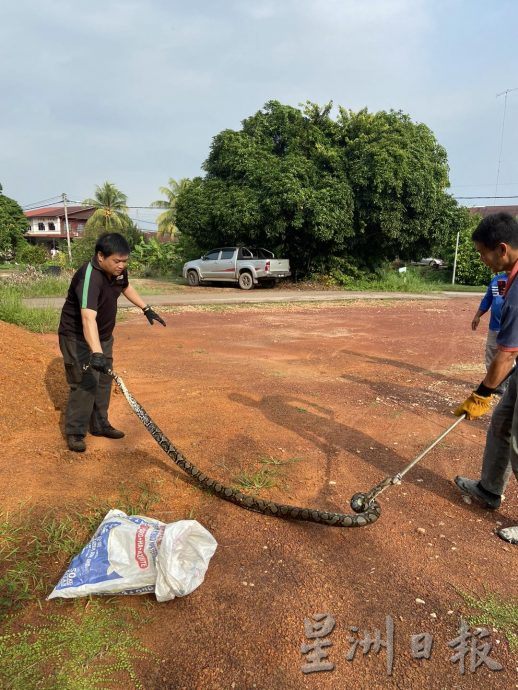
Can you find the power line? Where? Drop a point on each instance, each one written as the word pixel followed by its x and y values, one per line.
pixel 36 204
pixel 154 208
pixel 35 208
pixel 140 220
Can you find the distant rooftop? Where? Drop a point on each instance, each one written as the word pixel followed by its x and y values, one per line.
pixel 54 211
pixel 488 210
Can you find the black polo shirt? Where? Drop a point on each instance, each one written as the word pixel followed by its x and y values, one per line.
pixel 91 288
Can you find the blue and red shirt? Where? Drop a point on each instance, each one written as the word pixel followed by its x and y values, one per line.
pixel 494 300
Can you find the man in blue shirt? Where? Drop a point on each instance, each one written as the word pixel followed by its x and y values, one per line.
pixel 496 240
pixel 493 300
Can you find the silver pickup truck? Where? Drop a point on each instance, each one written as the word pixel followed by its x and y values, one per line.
pixel 246 266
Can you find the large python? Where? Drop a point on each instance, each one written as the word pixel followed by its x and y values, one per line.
pixel 365 506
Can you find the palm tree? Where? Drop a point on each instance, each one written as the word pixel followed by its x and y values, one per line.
pixel 111 212
pixel 167 220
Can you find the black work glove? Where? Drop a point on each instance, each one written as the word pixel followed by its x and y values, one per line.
pixel 152 316
pixel 99 362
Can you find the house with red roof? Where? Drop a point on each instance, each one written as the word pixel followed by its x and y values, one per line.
pixel 47 225
pixel 488 210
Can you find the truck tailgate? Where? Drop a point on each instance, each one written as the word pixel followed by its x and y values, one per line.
pixel 280 267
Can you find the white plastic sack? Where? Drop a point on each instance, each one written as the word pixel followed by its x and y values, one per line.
pixel 132 554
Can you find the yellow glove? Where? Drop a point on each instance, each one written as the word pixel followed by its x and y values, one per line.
pixel 474 406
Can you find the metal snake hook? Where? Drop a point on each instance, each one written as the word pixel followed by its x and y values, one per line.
pixel 360 500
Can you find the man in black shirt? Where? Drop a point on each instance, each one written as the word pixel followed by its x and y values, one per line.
pixel 85 337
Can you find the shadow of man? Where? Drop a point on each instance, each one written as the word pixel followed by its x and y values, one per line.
pixel 57 389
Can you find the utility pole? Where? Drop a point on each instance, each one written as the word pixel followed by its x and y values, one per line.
pixel 64 197
pixel 504 94
pixel 455 260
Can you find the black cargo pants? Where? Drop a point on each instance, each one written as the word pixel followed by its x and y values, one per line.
pixel 89 397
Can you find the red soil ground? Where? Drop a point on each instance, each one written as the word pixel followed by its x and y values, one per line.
pixel 353 392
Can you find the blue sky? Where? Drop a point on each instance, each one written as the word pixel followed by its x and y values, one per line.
pixel 133 91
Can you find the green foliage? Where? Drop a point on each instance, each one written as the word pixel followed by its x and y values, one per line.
pixel 366 187
pixel 13 225
pixel 34 254
pixel 496 612
pixel 83 248
pixel 12 310
pixel 151 257
pixel 31 283
pixel 255 481
pixel 398 173
pixel 188 248
pixel 111 209
pixel 87 649
pixel 27 540
pixel 470 269
pixel 167 219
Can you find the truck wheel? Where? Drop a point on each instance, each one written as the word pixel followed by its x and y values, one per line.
pixel 246 281
pixel 268 283
pixel 193 279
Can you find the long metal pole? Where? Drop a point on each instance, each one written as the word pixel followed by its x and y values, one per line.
pixel 64 197
pixel 432 445
pixel 455 260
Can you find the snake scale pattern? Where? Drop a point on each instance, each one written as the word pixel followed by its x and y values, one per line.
pixel 366 508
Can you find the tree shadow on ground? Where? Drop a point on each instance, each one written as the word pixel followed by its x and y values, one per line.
pixel 331 437
pixel 406 366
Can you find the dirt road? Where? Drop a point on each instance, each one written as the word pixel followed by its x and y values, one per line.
pixel 331 397
pixel 232 295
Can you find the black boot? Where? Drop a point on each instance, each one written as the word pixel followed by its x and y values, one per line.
pixel 109 432
pixel 76 443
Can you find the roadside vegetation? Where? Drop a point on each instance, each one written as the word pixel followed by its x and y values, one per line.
pixel 27 282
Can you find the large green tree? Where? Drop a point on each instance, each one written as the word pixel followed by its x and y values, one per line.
pixel 362 187
pixel 398 173
pixel 13 225
pixel 275 183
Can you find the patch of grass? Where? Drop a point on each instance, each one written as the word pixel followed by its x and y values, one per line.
pixel 415 279
pixel 133 501
pixel 38 320
pixel 31 283
pixel 262 479
pixel 87 649
pixel 93 646
pixel 496 612
pixel 58 535
pixel 18 575
pixel 27 541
